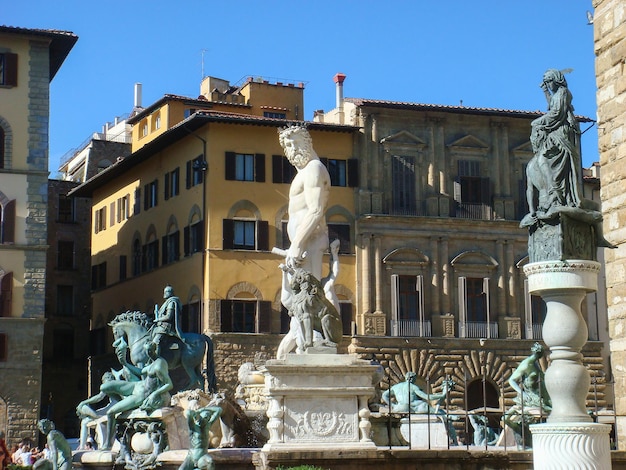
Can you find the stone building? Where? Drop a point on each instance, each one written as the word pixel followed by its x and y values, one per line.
pixel 609 22
pixel 29 59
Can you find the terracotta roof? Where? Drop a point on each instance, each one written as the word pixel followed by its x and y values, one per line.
pixel 449 108
pixel 61 43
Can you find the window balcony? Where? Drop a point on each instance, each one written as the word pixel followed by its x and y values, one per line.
pixel 468 210
pixel 411 328
pixel 472 329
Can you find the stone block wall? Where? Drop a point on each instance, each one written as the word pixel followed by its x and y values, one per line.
pixel 610 50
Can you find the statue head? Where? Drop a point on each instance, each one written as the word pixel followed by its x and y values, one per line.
pixel 45 425
pixel 168 292
pixel 410 376
pixel 555 77
pixel 151 349
pixel 297 144
pixel 537 349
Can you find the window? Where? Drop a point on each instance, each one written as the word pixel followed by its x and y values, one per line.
pixel 246 316
pixel 403 195
pixel 4 347
pixel 2 143
pixel 245 234
pixel 194 238
pixel 65 255
pixel 156 124
pixel 341 232
pixel 123 267
pixel 190 317
pixel 112 214
pixel 6 294
pixel 172 184
pixel 189 112
pixel 195 171
pixel 471 192
pixel 474 321
pixel 407 306
pixel 66 209
pixel 151 255
pixel 245 167
pixel 272 115
pixel 137 258
pixel 65 300
pixel 282 170
pixel 171 247
pixel 144 129
pixel 150 195
pixel 342 172
pixel 99 276
pixel 8 69
pixel 7 222
pixel 123 208
pixel 100 217
pixel 63 342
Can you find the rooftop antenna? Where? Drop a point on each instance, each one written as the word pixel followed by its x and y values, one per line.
pixel 202 51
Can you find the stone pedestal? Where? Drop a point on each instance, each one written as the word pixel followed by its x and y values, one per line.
pixel 569 431
pixel 424 432
pixel 319 402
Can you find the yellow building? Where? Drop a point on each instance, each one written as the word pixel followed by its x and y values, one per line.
pixel 29 60
pixel 199 204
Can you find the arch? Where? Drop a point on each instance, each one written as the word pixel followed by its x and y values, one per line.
pixel 194 294
pixel 195 215
pixel 172 225
pixel 244 205
pixel 151 234
pixel 6 149
pixel 474 258
pixel 243 287
pixel 480 395
pixel 407 256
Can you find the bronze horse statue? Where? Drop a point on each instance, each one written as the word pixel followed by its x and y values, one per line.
pixel 134 328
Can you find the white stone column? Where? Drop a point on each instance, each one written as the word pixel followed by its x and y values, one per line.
pixel 569 439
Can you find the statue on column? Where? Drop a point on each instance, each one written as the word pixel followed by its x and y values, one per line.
pixel 554 178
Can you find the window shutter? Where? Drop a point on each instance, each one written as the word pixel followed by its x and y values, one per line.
pixel 137 205
pixel 226 315
pixel 188 174
pixel 156 192
pixel 263 235
pixel 176 239
pixel 8 222
pixel 229 165
pixel 395 301
pixel 345 309
pixel 146 197
pixel 186 241
pixel 156 252
pixel 462 306
pixel 419 287
pixel 200 233
pixel 6 294
pixel 277 169
pixel 353 172
pixel 486 294
pixel 10 73
pixel 144 258
pixel 457 190
pixel 166 187
pixel 259 167
pixel 94 277
pixel 112 214
pixel 228 234
pixel 265 316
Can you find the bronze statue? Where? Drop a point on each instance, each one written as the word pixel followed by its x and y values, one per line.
pixel 199 421
pixel 60 452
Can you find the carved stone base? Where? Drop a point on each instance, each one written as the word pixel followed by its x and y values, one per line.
pixel 562 238
pixel 319 402
pixel 571 445
pixel 424 432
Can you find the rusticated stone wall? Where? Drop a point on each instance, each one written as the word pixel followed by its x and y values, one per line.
pixel 610 48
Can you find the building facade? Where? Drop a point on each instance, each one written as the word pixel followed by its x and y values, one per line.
pixel 426 200
pixel 29 60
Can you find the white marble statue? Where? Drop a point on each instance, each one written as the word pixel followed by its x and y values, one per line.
pixel 307 230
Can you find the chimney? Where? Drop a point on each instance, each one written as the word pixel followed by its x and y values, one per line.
pixel 137 95
pixel 338 79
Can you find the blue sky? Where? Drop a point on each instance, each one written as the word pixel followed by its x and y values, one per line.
pixel 485 53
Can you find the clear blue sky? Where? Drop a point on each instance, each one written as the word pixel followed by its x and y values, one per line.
pixel 487 53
